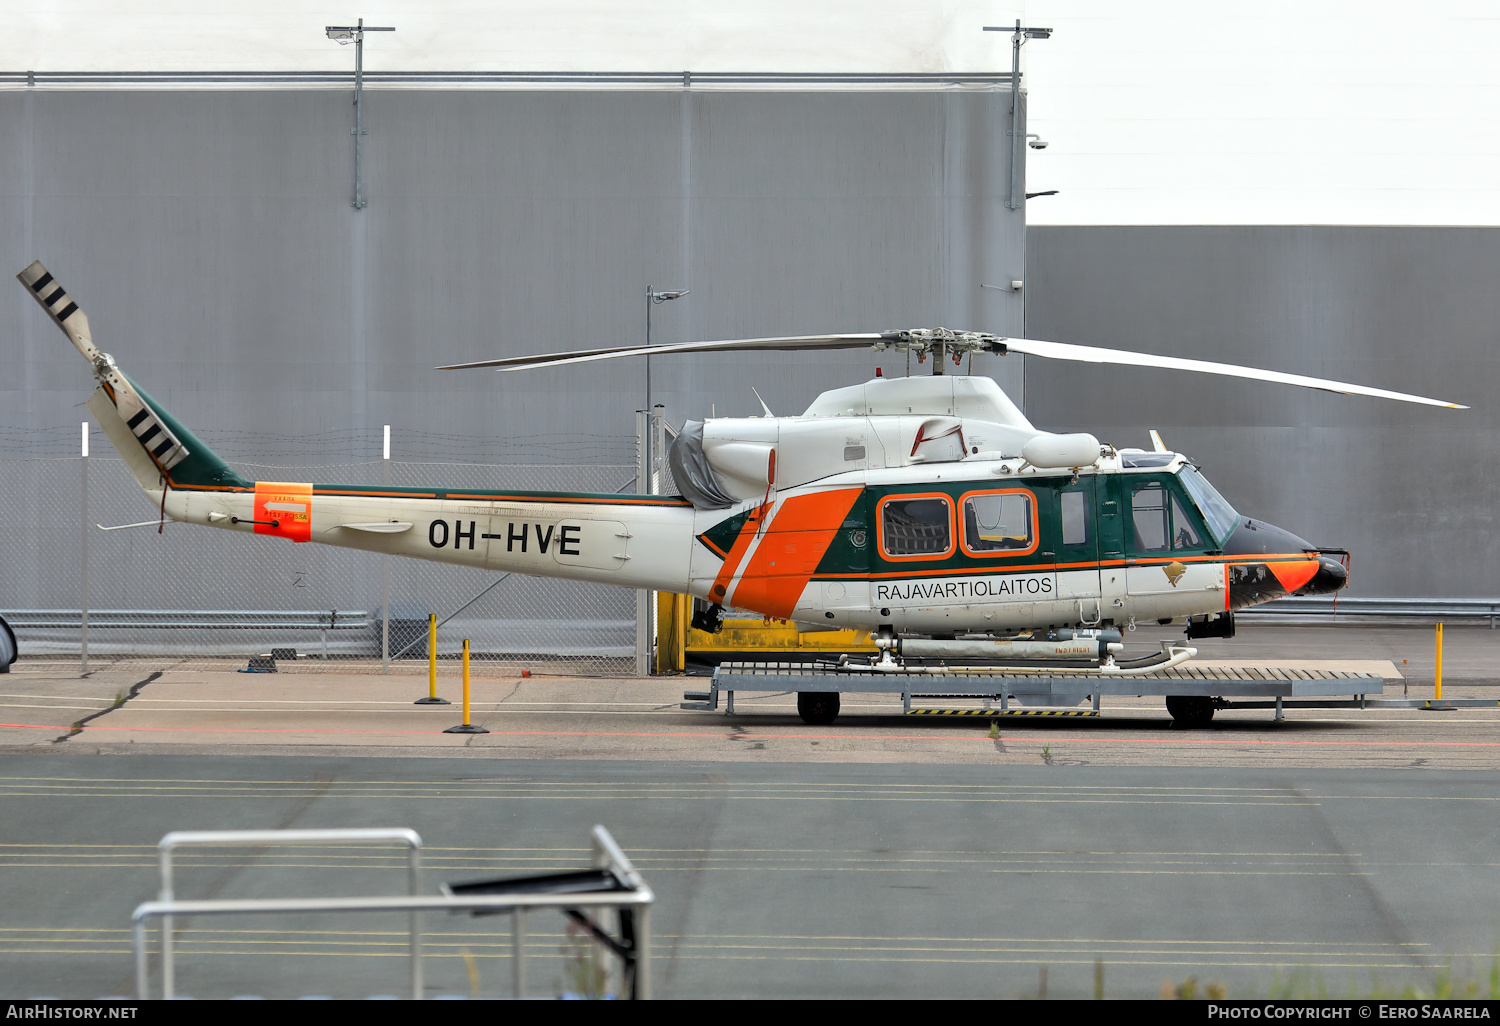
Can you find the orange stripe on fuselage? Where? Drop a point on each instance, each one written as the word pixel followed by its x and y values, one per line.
pixel 791 549
pixel 1294 575
pixel 737 553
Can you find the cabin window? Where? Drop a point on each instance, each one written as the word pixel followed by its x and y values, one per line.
pixel 1161 524
pixel 1075 519
pixel 1000 523
pixel 916 526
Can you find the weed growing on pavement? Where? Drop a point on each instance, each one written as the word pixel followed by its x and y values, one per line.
pixel 1187 990
pixel 583 975
pixel 1445 985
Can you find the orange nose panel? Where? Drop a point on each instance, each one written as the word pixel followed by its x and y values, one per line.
pixel 288 506
pixel 1294 575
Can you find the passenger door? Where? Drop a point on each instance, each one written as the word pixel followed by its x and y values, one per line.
pixel 1111 496
pixel 1075 546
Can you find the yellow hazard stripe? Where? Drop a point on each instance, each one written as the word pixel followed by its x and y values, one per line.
pixel 1001 712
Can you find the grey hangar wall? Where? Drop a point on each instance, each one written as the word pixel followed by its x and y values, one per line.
pixel 210 237
pixel 1410 490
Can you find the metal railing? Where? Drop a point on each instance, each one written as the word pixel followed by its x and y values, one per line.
pixel 192 619
pixel 606 855
pixel 258 838
pixel 500 79
pixel 1410 608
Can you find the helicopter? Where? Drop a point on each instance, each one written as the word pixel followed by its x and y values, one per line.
pixel 927 510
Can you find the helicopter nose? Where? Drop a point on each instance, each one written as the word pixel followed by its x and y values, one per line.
pixel 1331 576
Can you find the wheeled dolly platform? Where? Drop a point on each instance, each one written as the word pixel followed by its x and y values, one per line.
pixel 1193 692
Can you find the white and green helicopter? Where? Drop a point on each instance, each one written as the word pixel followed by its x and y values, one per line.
pixel 923 505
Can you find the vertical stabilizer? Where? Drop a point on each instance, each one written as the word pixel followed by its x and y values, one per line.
pixel 144 429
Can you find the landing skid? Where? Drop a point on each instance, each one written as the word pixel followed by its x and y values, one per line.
pixel 1172 654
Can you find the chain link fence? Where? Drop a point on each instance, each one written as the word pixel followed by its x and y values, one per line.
pixel 190 596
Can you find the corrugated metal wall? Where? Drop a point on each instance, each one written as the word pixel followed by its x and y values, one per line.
pixel 210 237
pixel 1411 490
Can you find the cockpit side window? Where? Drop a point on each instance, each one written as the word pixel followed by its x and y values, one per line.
pixel 1161 521
pixel 1184 532
pixel 1153 529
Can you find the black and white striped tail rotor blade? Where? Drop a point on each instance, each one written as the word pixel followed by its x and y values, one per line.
pixel 54 299
pixel 791 343
pixel 1121 357
pixel 154 435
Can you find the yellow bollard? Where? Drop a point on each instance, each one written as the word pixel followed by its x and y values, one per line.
pixel 466 727
pixel 1437 677
pixel 432 695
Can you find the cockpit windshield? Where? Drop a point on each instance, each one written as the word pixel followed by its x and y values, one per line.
pixel 1220 515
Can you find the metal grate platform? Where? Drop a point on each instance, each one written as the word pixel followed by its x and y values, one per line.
pixel 1215 681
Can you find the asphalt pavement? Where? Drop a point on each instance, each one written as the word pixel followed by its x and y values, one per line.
pixel 879 857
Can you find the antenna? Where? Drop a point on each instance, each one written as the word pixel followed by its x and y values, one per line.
pixel 762 403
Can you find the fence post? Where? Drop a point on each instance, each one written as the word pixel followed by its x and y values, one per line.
pixel 642 597
pixel 385 564
pixel 83 558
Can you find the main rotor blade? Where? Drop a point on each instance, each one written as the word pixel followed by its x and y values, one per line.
pixel 1094 354
pixel 956 342
pixel 791 342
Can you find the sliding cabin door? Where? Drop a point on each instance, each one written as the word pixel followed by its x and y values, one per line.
pixel 1075 548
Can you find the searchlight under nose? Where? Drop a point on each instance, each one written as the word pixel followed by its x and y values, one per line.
pixel 1332 575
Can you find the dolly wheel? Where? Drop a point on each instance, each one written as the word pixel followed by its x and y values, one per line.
pixel 1190 710
pixel 820 708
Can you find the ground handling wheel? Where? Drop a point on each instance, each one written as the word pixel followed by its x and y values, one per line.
pixel 1190 710
pixel 819 708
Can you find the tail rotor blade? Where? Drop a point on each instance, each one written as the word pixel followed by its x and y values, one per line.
pixel 54 299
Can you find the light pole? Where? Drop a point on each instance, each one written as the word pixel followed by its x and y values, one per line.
pixel 648 476
pixel 654 298
pixel 344 35
pixel 1019 35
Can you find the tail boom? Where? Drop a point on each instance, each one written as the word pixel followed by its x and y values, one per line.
pixel 629 541
pixel 632 541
